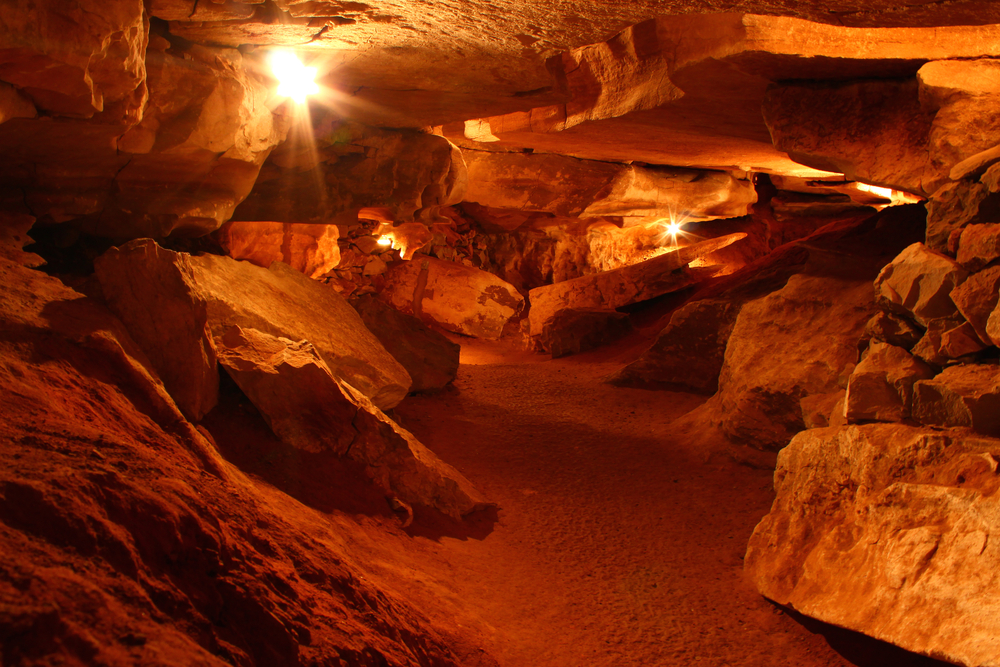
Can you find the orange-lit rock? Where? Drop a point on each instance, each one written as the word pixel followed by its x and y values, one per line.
pixel 310 410
pixel 887 529
pixel 964 395
pixel 455 297
pixel 976 299
pixel 955 206
pixel 14 229
pixel 892 329
pixel 575 330
pixel 978 246
pixel 881 386
pixel 311 249
pixel 918 283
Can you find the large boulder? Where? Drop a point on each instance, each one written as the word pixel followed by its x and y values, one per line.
pixel 456 297
pixel 955 206
pixel 311 249
pixel 978 246
pixel 630 284
pixel 964 395
pixel 881 386
pixel 976 299
pixel 918 283
pixel 888 530
pixel 430 358
pixel 575 330
pixel 308 409
pixel 279 301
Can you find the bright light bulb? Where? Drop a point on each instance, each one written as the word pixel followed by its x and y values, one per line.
pixel 384 241
pixel 295 80
pixel 673 228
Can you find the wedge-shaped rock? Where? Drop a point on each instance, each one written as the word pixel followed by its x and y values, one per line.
pixel 629 284
pixel 311 249
pixel 978 246
pixel 576 330
pixel 881 386
pixel 456 297
pixel 307 408
pixel 919 282
pixel 945 339
pixel 429 358
pixel 280 301
pixel 976 299
pixel 889 530
pixel 964 395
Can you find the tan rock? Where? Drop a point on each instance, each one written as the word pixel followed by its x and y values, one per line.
pixel 955 206
pixel 918 282
pixel 978 246
pixel 153 292
pixel 311 249
pixel 822 410
pixel 976 299
pixel 429 357
pixel 567 186
pixel 976 165
pixel 456 297
pixel 575 330
pixel 964 395
pixel 888 530
pixel 308 409
pixel 890 328
pixel 280 301
pixel 881 386
pixel 630 284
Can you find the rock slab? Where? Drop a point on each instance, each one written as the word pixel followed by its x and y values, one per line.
pixel 965 395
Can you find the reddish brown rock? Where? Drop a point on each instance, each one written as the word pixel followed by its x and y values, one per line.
pixel 955 206
pixel 918 282
pixel 881 386
pixel 14 104
pixel 14 236
pixel 429 358
pixel 888 530
pixel 975 166
pixel 976 299
pixel 455 297
pixel 978 246
pixel 947 338
pixel 310 410
pixel 892 329
pixel 575 330
pixel 964 395
pixel 311 249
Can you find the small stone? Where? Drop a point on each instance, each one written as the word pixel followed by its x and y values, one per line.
pixel 893 329
pixel 964 395
pixel 881 386
pixel 374 267
pixel 978 246
pixel 976 299
pixel 919 282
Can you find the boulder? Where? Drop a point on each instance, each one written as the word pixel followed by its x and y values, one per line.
pixel 918 283
pixel 308 409
pixel 430 358
pixel 975 166
pixel 888 530
pixel 153 292
pixel 953 207
pixel 629 284
pixel 976 299
pixel 280 301
pixel 978 246
pixel 311 249
pixel 892 329
pixel 456 297
pixel 688 353
pixel 881 386
pixel 945 339
pixel 575 330
pixel 963 395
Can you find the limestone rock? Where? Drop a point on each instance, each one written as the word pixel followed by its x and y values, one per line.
pixel 976 299
pixel 429 358
pixel 307 408
pixel 311 249
pixel 978 246
pixel 976 165
pixel 888 530
pixel 153 292
pixel 919 282
pixel 688 352
pixel 892 329
pixel 567 186
pixel 964 395
pixel 881 386
pixel 955 206
pixel 575 330
pixel 458 298
pixel 280 301
pixel 629 284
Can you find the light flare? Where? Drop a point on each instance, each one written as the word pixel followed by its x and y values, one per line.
pixel 672 226
pixel 295 80
pixel 384 240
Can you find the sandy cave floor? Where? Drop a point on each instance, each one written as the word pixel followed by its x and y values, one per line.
pixel 620 540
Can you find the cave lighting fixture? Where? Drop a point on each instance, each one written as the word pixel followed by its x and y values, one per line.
pixel 385 240
pixel 672 228
pixel 295 80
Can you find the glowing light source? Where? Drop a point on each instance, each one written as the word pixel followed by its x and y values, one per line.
pixel 672 228
pixel 385 240
pixel 295 80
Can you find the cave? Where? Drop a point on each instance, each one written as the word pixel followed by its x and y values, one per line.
pixel 500 334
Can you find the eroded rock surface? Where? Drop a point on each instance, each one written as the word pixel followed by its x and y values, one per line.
pixel 965 395
pixel 311 249
pixel 918 283
pixel 881 386
pixel 888 530
pixel 575 330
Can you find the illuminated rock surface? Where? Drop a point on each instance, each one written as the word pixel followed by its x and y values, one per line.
pixel 919 282
pixel 966 395
pixel 575 330
pixel 881 386
pixel 311 249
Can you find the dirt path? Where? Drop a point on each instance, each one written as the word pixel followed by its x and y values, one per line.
pixel 618 544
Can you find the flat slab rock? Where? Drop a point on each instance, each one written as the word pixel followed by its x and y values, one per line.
pixel 889 530
pixel 309 409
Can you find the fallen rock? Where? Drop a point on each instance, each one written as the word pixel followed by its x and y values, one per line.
pixel 964 395
pixel 888 530
pixel 978 246
pixel 575 330
pixel 947 338
pixel 892 329
pixel 629 284
pixel 881 386
pixel 153 292
pixel 458 298
pixel 429 358
pixel 955 206
pixel 976 299
pixel 311 249
pixel 919 282
pixel 307 408
pixel 280 301
pixel 976 165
